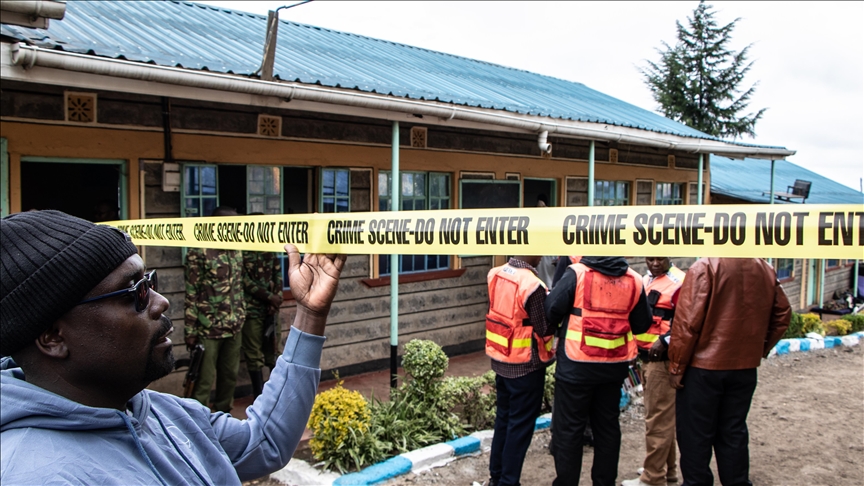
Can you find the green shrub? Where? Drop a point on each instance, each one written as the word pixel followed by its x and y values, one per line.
pixel 812 323
pixel 472 399
pixel 794 329
pixel 549 389
pixel 340 423
pixel 857 321
pixel 838 327
pixel 424 361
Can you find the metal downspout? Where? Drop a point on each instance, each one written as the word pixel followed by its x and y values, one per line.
pixel 822 284
pixel 699 182
pixel 855 282
pixel 394 259
pixel 591 173
pixel 771 260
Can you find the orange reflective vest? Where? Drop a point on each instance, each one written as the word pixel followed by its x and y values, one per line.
pixel 599 325
pixel 664 309
pixel 509 334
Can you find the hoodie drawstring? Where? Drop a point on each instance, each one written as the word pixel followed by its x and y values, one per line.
pixel 141 448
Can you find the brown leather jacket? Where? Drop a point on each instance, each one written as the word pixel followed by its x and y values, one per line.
pixel 731 312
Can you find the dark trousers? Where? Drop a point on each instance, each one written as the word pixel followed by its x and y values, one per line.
pixel 574 406
pixel 518 405
pixel 711 412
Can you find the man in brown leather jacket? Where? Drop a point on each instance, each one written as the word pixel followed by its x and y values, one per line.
pixel 731 312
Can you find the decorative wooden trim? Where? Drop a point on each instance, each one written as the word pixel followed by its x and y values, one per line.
pixel 414 277
pixel 787 279
pixel 79 108
pixel 419 137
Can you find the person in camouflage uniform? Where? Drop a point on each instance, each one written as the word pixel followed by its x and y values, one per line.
pixel 215 312
pixel 261 333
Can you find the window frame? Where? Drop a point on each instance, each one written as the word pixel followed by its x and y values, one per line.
pixel 183 196
pixel 281 188
pixel 673 185
pixel 336 198
pixel 777 269
pixel 627 191
pixel 383 260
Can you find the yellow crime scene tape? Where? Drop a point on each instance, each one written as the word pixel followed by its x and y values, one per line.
pixel 788 231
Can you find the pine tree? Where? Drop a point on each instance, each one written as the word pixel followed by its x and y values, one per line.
pixel 697 81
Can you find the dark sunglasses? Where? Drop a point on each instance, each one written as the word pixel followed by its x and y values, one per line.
pixel 140 291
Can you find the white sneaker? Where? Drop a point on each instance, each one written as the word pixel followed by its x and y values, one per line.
pixel 634 482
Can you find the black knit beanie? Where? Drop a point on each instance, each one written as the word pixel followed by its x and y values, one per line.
pixel 49 261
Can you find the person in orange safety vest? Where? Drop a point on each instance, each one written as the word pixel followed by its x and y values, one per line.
pixel 662 284
pixel 601 305
pixel 519 340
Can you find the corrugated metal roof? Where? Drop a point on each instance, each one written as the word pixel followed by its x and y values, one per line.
pixel 727 178
pixel 203 37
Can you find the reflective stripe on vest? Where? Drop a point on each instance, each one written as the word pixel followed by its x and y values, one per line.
pixel 598 328
pixel 664 309
pixel 509 335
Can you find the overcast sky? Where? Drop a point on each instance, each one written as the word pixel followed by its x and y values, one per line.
pixel 809 56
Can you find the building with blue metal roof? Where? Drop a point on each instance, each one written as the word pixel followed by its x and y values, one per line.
pixel 169 109
pixel 728 185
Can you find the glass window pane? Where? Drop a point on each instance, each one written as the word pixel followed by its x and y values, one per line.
pixel 419 184
pixel 209 204
pixel 191 181
pixel 273 181
pixel 327 182
pixel 193 207
pixel 327 205
pixel 341 205
pixel 208 181
pixel 256 204
pixel 256 187
pixel 274 205
pixel 407 184
pixel 383 204
pixel 342 181
pixel 383 184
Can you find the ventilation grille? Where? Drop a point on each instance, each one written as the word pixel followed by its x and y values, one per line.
pixel 81 107
pixel 671 161
pixel 418 137
pixel 269 126
pixel 613 156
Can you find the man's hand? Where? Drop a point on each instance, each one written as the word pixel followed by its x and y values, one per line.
pixel 275 300
pixel 191 341
pixel 313 284
pixel 657 349
pixel 675 381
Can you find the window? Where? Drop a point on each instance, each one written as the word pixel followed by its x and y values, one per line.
pixel 669 194
pixel 200 194
pixel 694 193
pixel 833 263
pixel 263 189
pixel 335 190
pixel 785 268
pixel 611 193
pixel 419 191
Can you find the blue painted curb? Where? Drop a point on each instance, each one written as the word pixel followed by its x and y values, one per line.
pixel 783 347
pixel 804 345
pixel 382 471
pixel 542 423
pixel 465 445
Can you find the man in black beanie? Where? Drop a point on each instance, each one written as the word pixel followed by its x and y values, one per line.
pixel 87 332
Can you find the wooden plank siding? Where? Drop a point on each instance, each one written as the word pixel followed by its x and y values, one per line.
pixel 450 310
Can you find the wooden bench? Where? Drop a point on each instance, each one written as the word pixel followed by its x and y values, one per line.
pixel 799 190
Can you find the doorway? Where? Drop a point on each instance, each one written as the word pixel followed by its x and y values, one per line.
pixel 536 190
pixel 88 189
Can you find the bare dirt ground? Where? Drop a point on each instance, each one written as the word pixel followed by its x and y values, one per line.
pixel 806 428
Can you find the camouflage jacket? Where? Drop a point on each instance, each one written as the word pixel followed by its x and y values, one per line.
pixel 262 278
pixel 215 307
